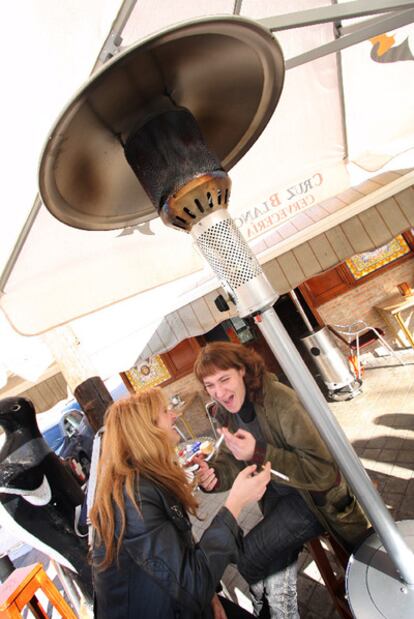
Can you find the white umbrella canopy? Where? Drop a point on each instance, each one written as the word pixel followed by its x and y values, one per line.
pixel 50 48
pixel 62 273
pixel 23 356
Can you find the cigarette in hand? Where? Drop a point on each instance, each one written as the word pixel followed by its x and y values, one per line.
pixel 285 477
pixel 219 442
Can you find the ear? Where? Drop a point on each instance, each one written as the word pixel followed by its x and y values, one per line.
pixel 242 372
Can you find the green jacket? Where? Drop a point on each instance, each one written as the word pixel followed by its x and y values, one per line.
pixel 295 448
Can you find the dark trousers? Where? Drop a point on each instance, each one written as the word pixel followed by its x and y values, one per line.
pixel 234 611
pixel 275 542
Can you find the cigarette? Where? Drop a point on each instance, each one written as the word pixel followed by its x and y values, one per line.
pixel 285 477
pixel 179 432
pixel 219 442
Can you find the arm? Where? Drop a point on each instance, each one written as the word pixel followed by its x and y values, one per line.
pixel 291 444
pixel 222 472
pixel 302 455
pixel 159 540
pixel 225 466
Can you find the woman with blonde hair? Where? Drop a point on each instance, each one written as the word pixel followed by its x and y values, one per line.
pixel 145 561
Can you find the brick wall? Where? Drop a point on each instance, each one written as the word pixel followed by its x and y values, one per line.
pixel 195 415
pixel 358 304
pixel 182 386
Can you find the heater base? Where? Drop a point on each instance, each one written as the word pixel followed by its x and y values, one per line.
pixel 374 589
pixel 347 392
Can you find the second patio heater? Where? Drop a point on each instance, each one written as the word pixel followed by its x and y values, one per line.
pixel 155 131
pixel 327 358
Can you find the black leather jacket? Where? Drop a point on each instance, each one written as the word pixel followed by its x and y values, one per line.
pixel 161 572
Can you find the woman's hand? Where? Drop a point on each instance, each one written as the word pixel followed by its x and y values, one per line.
pixel 206 476
pixel 217 608
pixel 242 444
pixel 248 487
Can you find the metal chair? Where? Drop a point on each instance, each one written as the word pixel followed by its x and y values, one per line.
pixel 210 412
pixel 358 335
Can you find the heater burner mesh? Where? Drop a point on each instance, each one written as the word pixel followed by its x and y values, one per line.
pixel 228 254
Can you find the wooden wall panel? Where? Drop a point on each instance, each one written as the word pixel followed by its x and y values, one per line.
pixel 324 287
pixel 181 358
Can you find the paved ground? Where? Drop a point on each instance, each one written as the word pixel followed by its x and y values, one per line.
pixel 380 425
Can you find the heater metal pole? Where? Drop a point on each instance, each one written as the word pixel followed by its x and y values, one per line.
pixel 302 381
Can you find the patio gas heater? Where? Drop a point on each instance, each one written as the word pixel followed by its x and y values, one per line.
pixel 329 360
pixel 155 131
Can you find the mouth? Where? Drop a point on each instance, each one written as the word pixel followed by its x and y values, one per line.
pixel 228 402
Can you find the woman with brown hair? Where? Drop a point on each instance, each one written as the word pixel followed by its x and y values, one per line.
pixel 263 420
pixel 145 561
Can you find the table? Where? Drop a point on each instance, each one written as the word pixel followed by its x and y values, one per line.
pixel 390 310
pixel 192 413
pixel 184 407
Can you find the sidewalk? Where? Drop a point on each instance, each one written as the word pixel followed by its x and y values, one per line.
pixel 380 425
